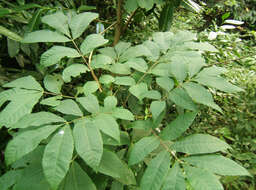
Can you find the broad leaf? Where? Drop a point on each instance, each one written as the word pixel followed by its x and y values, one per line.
pixel 200 179
pixel 77 179
pixel 52 101
pixel 106 79
pixel 92 42
pixel 199 94
pixel 135 51
pixel 200 144
pixel 69 107
pixel 90 87
pixel 121 47
pixel 56 53
pixel 147 4
pixel 178 126
pixel 27 82
pixel 175 179
pixel 80 22
pixel 88 142
pixel 26 142
pixel 44 36
pixel 156 171
pixel 138 64
pixel 90 103
pixel 126 81
pixel 110 102
pixel 58 21
pixel 143 148
pixel 108 125
pixel 124 114
pixel 165 82
pixel 57 156
pixel 163 39
pixel 157 107
pixel 37 119
pixel 217 164
pixel 139 90
pixel 9 179
pixel 53 83
pixel 119 68
pixel 112 166
pixel 182 99
pixel 11 35
pixel 73 70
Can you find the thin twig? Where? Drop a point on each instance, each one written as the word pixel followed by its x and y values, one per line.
pixel 55 94
pixel 129 21
pixel 113 24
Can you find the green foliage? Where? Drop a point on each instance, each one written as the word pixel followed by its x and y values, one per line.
pixel 115 131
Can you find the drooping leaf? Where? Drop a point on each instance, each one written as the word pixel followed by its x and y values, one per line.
pixel 26 142
pixel 143 148
pixel 199 94
pixel 52 101
pixel 56 53
pixel 121 47
pixel 80 22
pixel 182 99
pixel 108 125
pixel 90 103
pixel 178 126
pixel 92 42
pixel 218 164
pixel 139 90
pixel 57 156
pixel 9 179
pixel 201 179
pixel 53 83
pixel 13 47
pixel 77 179
pixel 175 179
pixel 112 166
pixel 58 21
pixel 37 119
pixel 200 144
pixel 73 70
pixel 156 171
pixel 11 35
pixel 69 107
pixel 88 142
pixel 157 107
pixel 44 36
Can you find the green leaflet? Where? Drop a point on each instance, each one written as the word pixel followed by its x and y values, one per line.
pixel 117 186
pixel 143 148
pixel 88 143
pixel 44 36
pixel 92 42
pixel 110 102
pixel 218 164
pixel 200 144
pixel 112 166
pixel 125 81
pixel 9 179
pixel 77 179
pixel 37 119
pixel 32 177
pixel 157 107
pixel 108 125
pixel 73 70
pixel 202 180
pixel 80 22
pixel 101 61
pixel 138 64
pixel 27 82
pixel 141 91
pixel 52 101
pixel 13 47
pixel 165 82
pixel 58 21
pixel 56 53
pixel 53 83
pixel 182 99
pixel 90 103
pixel 106 79
pixel 69 107
pixel 135 51
pixel 199 94
pixel 124 139
pixel 26 142
pixel 163 40
pixel 153 48
pixel 90 87
pixel 156 171
pixel 175 179
pixel 22 103
pixel 131 5
pixel 124 114
pixel 119 68
pixel 178 126
pixel 11 35
pixel 57 156
pixel 147 4
pixel 121 47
